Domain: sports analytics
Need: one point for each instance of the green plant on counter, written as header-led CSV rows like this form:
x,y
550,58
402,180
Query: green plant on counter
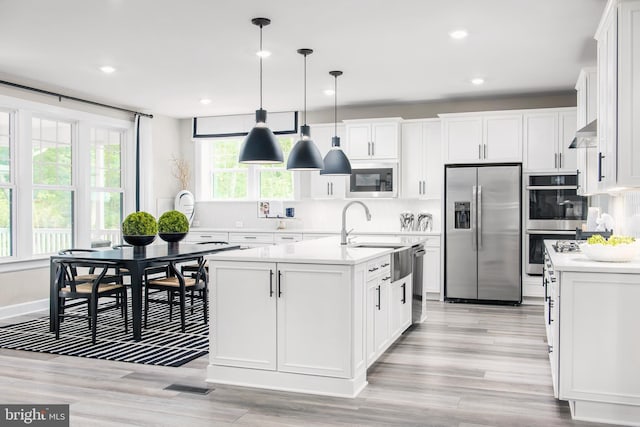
x,y
139,224
173,222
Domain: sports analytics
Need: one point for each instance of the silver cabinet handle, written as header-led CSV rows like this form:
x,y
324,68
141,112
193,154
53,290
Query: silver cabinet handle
x,y
328,191
479,151
250,237
485,151
286,238
555,160
368,148
424,187
560,160
373,148
479,216
332,188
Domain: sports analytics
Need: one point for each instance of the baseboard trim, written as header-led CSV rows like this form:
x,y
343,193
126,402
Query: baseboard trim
x,y
23,308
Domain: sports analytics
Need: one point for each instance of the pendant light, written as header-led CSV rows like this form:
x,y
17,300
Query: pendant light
x,y
305,155
336,162
260,145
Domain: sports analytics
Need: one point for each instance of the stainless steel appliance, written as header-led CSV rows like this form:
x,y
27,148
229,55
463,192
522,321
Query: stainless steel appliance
x,y
553,211
373,180
483,233
419,308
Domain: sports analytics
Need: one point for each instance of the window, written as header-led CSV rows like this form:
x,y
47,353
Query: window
x,y
223,178
106,184
6,184
52,202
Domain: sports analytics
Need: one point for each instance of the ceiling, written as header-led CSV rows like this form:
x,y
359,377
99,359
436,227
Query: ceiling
x,y
170,54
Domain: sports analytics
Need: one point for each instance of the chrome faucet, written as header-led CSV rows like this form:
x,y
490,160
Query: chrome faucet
x,y
344,233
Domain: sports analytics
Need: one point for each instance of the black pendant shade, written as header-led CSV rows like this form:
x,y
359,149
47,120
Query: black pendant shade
x,y
260,145
336,162
305,155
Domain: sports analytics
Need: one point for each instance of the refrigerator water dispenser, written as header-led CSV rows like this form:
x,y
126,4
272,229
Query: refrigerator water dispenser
x,y
462,215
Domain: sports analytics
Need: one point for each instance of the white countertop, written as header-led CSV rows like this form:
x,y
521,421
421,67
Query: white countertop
x,y
311,230
321,251
576,261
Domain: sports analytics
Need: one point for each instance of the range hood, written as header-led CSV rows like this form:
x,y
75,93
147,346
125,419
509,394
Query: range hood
x,y
586,136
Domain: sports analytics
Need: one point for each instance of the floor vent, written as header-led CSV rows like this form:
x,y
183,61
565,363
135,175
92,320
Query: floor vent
x,y
189,389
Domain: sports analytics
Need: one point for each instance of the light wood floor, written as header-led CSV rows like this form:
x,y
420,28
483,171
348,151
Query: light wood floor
x,y
467,365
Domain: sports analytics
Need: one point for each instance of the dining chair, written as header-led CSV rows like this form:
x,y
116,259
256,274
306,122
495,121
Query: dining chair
x,y
89,290
193,268
175,283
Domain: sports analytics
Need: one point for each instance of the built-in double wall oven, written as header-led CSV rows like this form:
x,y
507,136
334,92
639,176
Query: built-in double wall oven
x,y
553,211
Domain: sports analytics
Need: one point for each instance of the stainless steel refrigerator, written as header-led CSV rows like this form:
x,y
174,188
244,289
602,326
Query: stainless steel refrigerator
x,y
483,238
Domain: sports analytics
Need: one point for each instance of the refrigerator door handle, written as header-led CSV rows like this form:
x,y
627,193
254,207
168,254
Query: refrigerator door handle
x,y
479,209
474,193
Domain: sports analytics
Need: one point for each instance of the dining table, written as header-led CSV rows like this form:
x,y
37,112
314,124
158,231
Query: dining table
x,y
136,260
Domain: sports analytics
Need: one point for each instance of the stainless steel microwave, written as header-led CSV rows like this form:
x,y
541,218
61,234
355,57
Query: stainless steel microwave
x,y
373,180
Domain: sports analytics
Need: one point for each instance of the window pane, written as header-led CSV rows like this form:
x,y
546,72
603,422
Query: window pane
x,y
5,160
5,222
276,184
52,220
106,216
229,185
106,158
4,123
51,156
225,154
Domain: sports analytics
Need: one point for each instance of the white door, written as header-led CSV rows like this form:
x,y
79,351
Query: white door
x,y
382,330
541,140
502,138
567,159
400,306
412,160
322,186
431,269
314,319
372,302
463,139
384,137
243,314
432,156
358,141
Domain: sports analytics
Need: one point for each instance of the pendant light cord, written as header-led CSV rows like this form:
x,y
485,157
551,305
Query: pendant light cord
x,y
335,106
305,89
261,53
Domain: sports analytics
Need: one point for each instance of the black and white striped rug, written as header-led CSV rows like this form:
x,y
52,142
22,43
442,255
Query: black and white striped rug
x,y
162,343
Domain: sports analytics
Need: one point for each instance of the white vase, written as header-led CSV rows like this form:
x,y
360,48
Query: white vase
x,y
185,203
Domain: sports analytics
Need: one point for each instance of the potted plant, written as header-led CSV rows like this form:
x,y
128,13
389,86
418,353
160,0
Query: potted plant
x,y
173,226
139,228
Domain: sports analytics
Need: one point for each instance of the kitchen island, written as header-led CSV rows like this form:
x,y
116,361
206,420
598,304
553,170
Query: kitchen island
x,y
592,320
309,316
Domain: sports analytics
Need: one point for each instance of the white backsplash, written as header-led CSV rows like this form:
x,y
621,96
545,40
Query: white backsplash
x,y
625,209
315,214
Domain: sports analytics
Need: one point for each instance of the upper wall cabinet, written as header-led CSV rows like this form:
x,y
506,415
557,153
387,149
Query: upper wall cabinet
x,y
372,139
482,138
586,112
325,186
547,136
618,73
421,159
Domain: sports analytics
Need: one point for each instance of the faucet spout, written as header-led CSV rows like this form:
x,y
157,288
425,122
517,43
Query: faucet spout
x,y
344,233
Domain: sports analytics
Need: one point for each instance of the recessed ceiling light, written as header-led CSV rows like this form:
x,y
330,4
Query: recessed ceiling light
x,y
205,101
458,34
107,69
263,53
329,92
477,81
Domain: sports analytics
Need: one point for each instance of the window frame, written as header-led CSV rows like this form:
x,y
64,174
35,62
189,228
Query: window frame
x,y
11,185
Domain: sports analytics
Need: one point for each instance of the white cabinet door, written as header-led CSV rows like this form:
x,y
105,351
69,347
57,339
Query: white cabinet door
x,y
541,140
413,164
400,304
431,269
567,157
432,155
502,138
372,304
358,141
381,320
463,139
323,186
314,311
384,138
243,314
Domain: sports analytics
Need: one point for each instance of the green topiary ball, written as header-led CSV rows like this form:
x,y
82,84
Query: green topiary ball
x,y
173,222
139,224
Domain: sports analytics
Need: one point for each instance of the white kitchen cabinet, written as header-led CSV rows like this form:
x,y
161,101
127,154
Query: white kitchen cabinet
x,y
618,69
422,169
243,337
198,236
400,304
251,240
372,139
431,280
314,236
482,137
280,237
325,186
282,317
547,136
378,332
586,112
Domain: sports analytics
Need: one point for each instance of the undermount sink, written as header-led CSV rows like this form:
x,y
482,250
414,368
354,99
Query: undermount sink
x,y
378,245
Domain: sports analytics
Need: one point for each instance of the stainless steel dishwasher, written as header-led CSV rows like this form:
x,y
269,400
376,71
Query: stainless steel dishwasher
x,y
419,300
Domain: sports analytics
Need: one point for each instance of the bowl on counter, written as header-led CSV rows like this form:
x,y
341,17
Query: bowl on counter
x,y
608,253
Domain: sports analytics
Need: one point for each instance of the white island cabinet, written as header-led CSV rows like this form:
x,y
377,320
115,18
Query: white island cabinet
x,y
294,316
592,320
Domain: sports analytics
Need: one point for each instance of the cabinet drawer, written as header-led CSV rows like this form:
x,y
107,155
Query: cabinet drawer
x,y
251,237
377,266
204,236
287,237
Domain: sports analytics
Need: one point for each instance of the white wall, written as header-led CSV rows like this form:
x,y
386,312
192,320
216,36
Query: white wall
x,y
625,209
